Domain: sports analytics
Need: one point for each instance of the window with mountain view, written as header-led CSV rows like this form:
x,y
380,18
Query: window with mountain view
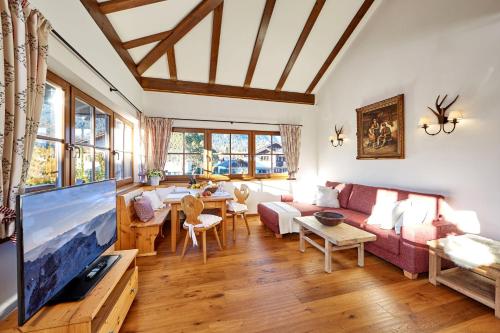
x,y
230,152
269,158
186,154
234,153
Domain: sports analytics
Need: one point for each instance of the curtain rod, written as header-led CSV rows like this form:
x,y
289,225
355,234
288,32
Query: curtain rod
x,y
226,121
112,87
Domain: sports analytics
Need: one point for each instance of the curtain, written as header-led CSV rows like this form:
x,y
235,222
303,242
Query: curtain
x,y
290,138
158,132
23,71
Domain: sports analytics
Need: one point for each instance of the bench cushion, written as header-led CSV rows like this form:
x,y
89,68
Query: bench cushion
x,y
158,219
143,209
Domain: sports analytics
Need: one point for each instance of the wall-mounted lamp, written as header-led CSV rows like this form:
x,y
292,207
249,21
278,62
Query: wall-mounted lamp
x,y
453,117
338,139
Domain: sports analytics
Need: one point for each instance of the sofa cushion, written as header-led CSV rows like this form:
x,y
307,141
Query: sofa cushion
x,y
363,198
386,239
345,192
305,208
430,202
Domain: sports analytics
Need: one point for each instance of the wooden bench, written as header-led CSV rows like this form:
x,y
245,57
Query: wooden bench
x,y
132,232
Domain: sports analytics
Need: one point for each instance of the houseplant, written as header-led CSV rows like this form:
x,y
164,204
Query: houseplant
x,y
154,177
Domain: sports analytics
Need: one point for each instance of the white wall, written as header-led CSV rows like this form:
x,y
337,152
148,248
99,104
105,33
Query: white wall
x,y
216,108
422,49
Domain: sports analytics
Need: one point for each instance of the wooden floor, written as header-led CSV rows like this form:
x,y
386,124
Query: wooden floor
x,y
263,284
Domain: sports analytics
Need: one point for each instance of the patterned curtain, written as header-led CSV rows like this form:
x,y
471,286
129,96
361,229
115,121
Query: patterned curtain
x,y
290,137
158,132
23,71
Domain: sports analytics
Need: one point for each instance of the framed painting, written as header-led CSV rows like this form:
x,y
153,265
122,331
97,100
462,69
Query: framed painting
x,y
381,129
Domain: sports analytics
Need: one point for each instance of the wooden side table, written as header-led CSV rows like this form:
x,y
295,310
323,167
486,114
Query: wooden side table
x,y
481,284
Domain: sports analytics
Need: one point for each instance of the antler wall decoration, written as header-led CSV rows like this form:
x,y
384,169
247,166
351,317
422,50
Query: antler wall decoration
x,y
338,139
443,118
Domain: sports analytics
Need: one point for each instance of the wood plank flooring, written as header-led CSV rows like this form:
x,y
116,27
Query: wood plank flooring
x,y
263,284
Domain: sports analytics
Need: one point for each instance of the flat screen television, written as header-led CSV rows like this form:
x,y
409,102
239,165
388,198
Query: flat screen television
x,y
61,235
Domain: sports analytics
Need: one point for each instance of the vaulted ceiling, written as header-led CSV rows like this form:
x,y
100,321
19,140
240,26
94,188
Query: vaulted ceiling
x,y
276,50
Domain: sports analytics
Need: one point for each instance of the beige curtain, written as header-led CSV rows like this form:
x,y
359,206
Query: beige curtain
x,y
290,138
23,73
158,132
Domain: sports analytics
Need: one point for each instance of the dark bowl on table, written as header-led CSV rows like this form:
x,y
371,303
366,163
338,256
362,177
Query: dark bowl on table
x,y
329,218
212,189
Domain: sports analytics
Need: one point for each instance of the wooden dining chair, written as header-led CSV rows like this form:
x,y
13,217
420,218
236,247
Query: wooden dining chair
x,y
238,207
197,223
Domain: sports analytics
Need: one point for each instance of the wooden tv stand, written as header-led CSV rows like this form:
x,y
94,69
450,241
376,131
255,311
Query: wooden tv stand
x,y
102,310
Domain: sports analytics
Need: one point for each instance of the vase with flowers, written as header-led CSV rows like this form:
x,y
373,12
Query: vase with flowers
x,y
154,177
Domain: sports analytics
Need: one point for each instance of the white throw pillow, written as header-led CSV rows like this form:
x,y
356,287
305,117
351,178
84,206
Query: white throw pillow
x,y
327,197
382,215
398,212
412,215
153,198
163,192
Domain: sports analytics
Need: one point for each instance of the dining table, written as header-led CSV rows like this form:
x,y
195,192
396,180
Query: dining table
x,y
217,201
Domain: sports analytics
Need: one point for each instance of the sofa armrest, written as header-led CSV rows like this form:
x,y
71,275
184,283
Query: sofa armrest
x,y
421,233
286,198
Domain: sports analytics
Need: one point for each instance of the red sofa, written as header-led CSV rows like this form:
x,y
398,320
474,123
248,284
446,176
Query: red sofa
x,y
408,250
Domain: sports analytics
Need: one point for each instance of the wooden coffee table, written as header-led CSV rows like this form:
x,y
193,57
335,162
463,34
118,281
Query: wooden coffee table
x,y
339,237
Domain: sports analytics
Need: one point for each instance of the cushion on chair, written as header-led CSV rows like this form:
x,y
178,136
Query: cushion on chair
x,y
208,220
236,207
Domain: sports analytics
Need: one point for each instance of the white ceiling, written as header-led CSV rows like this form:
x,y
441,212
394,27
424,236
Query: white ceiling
x,y
240,23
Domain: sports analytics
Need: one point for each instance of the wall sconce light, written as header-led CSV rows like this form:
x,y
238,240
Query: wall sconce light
x,y
453,117
338,139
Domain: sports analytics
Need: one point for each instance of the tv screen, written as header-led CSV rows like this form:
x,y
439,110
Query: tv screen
x,y
60,232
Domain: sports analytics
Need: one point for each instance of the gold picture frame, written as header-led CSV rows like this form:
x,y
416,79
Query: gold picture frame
x,y
380,129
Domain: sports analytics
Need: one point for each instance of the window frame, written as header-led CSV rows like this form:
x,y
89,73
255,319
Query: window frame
x,y
208,149
184,176
95,104
128,180
268,175
55,80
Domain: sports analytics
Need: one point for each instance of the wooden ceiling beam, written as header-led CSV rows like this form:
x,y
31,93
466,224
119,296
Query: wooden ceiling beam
x,y
214,52
107,29
187,23
259,40
207,89
146,40
172,66
341,42
311,20
112,6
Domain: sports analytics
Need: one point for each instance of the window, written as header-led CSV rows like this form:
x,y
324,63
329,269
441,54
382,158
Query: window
x,y
235,154
92,147
46,168
76,141
123,150
230,153
269,158
186,153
